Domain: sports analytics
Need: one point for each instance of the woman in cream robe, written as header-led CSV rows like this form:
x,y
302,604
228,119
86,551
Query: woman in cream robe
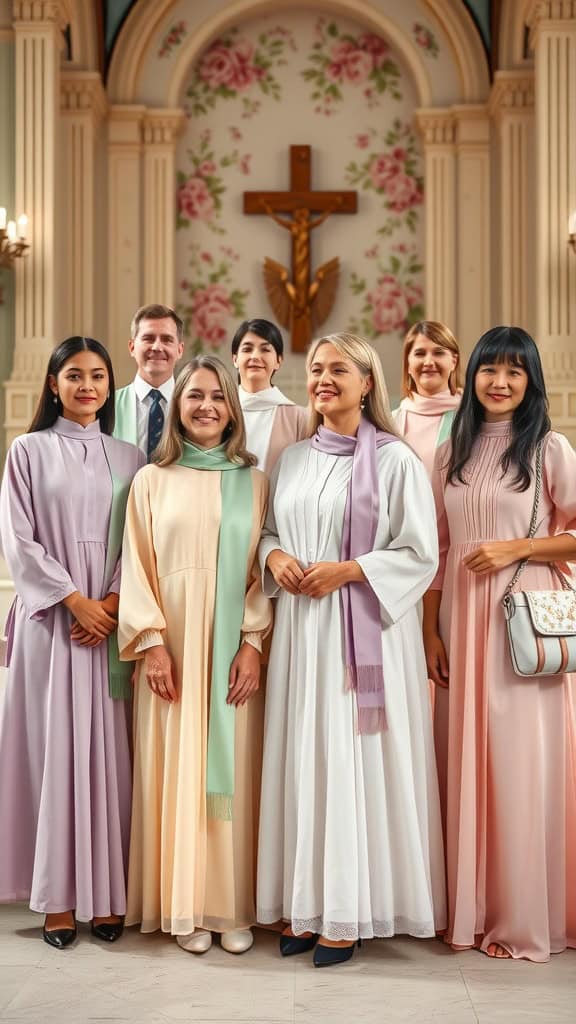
x,y
192,863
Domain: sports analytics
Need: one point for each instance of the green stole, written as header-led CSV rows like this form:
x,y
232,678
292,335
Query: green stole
x,y
445,427
125,427
232,569
119,672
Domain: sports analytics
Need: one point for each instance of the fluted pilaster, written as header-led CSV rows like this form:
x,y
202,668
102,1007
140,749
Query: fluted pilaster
x,y
437,128
160,130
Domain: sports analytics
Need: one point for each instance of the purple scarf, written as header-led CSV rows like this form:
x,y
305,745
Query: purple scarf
x,y
360,606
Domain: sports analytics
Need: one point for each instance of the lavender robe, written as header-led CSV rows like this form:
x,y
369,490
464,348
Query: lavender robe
x,y
65,776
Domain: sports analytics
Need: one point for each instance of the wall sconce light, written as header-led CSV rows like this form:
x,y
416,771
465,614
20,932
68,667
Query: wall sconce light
x,y
572,231
13,242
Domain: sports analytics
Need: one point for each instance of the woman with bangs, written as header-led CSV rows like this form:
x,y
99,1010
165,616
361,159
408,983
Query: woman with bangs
x,y
431,385
192,615
506,744
350,836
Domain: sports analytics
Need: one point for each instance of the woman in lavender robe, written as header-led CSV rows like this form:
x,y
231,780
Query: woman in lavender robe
x,y
65,779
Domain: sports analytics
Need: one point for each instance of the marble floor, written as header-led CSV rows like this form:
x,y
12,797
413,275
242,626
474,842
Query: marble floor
x,y
149,979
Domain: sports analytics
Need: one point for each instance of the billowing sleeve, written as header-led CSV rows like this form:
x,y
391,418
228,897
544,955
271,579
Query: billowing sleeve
x,y
401,569
40,581
257,607
438,485
270,539
141,622
560,480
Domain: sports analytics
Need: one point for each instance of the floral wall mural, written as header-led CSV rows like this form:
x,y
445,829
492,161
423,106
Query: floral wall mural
x,y
261,87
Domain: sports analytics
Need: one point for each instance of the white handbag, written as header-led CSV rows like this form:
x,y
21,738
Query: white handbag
x,y
541,623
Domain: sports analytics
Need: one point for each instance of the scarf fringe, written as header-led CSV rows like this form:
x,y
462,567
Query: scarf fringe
x,y
365,678
219,805
371,720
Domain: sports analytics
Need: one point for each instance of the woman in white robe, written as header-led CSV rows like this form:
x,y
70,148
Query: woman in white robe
x,y
350,837
271,419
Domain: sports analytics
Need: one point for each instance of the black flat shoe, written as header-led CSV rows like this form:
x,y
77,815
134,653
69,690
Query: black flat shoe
x,y
60,937
329,956
292,945
108,932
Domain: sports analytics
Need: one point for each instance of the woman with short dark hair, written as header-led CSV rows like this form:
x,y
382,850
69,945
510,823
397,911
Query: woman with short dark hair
x,y
272,420
65,774
506,745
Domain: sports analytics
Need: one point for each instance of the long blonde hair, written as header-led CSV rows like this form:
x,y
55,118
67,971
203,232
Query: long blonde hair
x,y
440,335
172,442
367,361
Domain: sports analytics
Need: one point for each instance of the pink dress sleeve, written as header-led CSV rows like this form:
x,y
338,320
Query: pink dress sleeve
x,y
438,484
560,482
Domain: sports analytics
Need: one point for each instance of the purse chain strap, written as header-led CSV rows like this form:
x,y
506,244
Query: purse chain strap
x,y
566,585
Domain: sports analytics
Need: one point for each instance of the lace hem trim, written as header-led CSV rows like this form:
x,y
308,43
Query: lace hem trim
x,y
350,930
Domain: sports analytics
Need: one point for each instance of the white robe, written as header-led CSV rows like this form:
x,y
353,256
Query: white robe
x,y
350,835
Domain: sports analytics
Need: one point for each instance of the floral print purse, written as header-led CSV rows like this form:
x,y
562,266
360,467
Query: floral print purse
x,y
541,623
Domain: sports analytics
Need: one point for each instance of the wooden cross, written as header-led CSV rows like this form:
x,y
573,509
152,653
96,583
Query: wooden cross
x,y
298,302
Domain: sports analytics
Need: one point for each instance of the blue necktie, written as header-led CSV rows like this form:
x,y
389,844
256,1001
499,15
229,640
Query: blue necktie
x,y
155,420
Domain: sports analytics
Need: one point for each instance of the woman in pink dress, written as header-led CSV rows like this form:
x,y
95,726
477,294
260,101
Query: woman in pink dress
x,y
431,387
506,744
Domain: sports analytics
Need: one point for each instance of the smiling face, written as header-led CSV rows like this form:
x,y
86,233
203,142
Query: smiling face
x,y
430,365
156,349
82,386
500,388
204,413
336,388
256,360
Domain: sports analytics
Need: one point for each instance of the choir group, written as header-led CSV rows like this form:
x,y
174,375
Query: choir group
x,y
284,695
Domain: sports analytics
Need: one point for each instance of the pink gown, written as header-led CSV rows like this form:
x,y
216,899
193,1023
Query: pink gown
x,y
506,745
425,422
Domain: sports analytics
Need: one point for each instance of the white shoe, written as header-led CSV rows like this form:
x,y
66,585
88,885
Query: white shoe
x,y
198,941
238,941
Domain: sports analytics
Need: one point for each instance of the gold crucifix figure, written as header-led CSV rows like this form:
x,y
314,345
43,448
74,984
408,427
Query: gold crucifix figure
x,y
298,302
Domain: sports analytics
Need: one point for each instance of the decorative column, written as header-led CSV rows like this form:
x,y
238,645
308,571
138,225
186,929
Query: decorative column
x,y
473,278
83,104
160,130
512,110
553,38
437,128
38,37
125,230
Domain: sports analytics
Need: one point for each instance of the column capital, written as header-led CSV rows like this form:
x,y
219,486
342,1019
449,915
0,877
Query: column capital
x,y
41,12
162,126
542,11
82,92
472,123
512,92
125,124
436,125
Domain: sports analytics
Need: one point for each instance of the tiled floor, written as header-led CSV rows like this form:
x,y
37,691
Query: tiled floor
x,y
149,979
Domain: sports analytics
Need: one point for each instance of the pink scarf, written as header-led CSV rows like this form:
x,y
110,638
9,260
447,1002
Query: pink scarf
x,y
360,606
430,405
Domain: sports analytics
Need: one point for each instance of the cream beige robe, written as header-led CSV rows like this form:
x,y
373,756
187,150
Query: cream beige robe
x,y
186,871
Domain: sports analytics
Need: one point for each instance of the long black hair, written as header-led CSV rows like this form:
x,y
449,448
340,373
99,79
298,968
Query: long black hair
x,y
264,329
530,421
48,410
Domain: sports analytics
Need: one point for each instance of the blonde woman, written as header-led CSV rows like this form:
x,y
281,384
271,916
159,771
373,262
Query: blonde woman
x,y
431,385
350,837
192,613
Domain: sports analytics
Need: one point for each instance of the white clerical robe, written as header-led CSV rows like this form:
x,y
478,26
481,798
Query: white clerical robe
x,y
350,836
272,423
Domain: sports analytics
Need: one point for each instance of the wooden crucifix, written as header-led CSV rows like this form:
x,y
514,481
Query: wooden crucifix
x,y
300,303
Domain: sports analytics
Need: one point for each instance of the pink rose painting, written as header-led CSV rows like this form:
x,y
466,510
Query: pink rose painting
x,y
425,39
394,300
172,39
210,300
392,171
339,59
234,66
200,189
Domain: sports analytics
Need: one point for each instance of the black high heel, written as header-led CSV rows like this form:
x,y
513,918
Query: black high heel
x,y
292,945
59,938
329,956
108,932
